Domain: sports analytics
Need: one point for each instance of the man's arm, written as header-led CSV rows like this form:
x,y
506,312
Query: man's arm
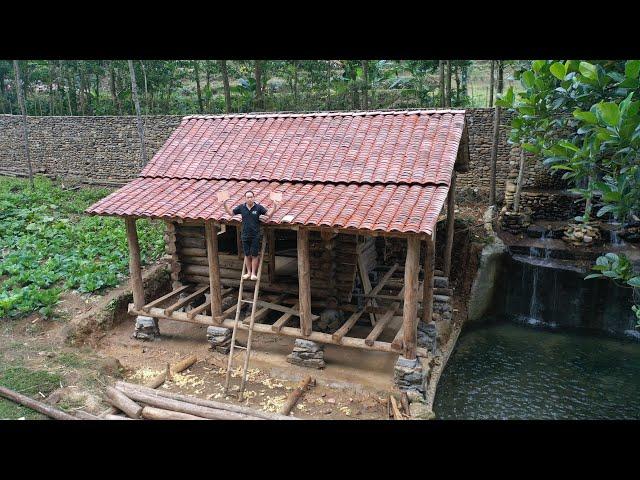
x,y
267,215
226,207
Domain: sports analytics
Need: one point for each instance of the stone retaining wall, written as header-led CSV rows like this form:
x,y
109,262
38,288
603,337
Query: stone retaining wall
x,y
105,150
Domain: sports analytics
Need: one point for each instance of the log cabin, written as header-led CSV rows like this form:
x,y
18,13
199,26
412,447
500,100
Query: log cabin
x,y
357,186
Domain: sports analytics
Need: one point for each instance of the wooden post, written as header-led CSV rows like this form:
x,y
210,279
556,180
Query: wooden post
x,y
451,205
304,281
239,241
271,238
134,263
410,309
211,234
427,285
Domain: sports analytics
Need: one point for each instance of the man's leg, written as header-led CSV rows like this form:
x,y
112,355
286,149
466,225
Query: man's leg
x,y
254,265
247,262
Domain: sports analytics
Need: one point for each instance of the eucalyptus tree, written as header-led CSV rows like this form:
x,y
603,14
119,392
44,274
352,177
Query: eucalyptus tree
x,y
23,111
136,102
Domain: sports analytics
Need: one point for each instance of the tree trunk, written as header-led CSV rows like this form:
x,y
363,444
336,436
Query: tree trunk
x,y
259,101
365,86
225,83
207,68
516,198
71,92
494,155
196,72
500,75
328,84
457,75
136,102
114,95
448,84
25,129
51,99
491,83
295,84
441,83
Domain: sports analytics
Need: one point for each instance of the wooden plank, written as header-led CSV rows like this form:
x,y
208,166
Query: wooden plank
x,y
339,334
215,296
451,206
201,308
411,269
304,282
135,272
427,283
169,295
281,308
263,312
366,285
398,342
382,323
186,300
282,321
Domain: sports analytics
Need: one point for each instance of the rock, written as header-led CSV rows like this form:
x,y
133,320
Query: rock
x,y
420,411
111,366
536,231
587,239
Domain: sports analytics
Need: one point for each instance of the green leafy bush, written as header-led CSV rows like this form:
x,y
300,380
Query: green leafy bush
x,y
47,246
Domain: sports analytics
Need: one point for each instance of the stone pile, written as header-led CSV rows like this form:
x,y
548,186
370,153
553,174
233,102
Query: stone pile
x,y
219,338
442,309
631,232
427,336
581,234
307,354
146,328
515,223
410,375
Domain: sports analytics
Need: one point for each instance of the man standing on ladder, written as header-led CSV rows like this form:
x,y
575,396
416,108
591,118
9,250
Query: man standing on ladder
x,y
251,234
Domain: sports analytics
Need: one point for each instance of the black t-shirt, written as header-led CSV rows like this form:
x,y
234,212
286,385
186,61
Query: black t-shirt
x,y
250,218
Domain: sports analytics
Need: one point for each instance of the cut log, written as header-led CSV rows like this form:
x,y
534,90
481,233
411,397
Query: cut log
x,y
111,416
382,323
397,415
82,415
169,295
282,321
153,399
296,394
186,300
40,407
123,403
176,368
206,403
346,326
152,413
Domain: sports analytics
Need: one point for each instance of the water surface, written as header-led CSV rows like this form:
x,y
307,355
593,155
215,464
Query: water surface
x,y
502,370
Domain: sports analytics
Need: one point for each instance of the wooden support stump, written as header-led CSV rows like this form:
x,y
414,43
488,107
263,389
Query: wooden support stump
x,y
211,233
135,271
409,312
427,284
451,205
304,282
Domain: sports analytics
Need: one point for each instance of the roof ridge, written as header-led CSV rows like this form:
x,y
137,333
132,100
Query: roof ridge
x,y
328,113
413,183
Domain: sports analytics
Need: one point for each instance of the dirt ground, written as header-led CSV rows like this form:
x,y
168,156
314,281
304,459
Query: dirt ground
x,y
354,385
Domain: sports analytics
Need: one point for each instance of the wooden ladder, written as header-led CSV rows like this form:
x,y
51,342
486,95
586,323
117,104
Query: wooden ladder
x,y
247,349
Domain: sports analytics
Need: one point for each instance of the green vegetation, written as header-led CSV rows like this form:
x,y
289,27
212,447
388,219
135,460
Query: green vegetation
x,y
103,87
583,119
28,382
47,245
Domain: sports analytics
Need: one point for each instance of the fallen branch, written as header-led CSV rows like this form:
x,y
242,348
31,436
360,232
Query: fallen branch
x,y
40,407
126,387
296,394
397,415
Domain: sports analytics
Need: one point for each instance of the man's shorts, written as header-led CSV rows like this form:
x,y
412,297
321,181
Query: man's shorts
x,y
251,245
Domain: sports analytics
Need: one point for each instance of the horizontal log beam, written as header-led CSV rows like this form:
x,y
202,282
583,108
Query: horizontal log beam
x,y
186,300
338,335
285,331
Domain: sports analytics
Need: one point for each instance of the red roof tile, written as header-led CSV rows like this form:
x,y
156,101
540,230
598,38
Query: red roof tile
x,y
389,208
413,146
386,171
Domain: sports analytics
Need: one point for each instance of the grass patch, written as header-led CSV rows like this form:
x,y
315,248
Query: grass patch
x,y
27,382
71,360
48,245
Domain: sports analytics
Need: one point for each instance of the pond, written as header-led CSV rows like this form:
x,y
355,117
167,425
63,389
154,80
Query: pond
x,y
504,370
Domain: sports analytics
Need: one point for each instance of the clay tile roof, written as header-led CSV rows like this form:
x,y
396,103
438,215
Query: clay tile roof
x,y
373,170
